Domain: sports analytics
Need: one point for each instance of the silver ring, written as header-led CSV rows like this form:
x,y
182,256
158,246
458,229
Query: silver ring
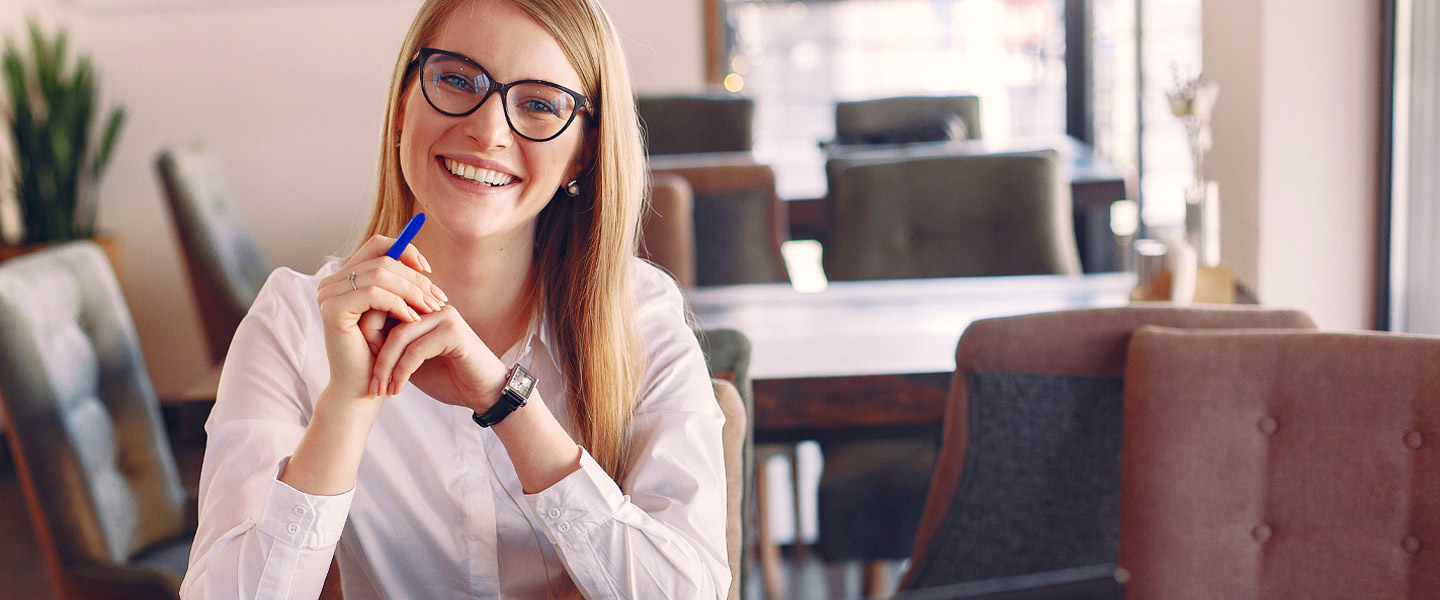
x,y
352,282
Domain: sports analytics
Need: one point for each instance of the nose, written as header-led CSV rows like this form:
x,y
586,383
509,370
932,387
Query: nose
x,y
487,125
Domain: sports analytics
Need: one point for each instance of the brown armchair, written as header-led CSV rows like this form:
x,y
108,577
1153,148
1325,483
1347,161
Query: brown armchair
x,y
667,230
226,266
1029,474
907,119
696,123
739,222
1281,465
103,491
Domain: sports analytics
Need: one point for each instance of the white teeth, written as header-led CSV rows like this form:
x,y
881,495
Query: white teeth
x,y
476,174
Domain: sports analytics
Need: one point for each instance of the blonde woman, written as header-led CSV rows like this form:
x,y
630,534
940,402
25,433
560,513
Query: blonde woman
x,y
382,411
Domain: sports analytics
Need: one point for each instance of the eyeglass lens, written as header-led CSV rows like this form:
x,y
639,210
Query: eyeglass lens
x,y
535,110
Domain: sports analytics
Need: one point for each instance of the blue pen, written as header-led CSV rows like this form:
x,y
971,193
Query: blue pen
x,y
401,242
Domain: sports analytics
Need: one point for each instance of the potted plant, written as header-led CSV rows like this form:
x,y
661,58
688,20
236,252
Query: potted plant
x,y
51,111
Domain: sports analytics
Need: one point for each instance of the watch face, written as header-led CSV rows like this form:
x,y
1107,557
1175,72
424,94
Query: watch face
x,y
521,382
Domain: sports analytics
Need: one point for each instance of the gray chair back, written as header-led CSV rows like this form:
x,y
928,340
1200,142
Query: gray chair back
x,y
1029,473
226,266
85,428
907,119
696,123
955,215
727,354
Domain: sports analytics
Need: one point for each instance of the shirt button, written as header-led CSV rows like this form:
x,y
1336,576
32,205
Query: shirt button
x,y
564,526
554,513
293,528
299,511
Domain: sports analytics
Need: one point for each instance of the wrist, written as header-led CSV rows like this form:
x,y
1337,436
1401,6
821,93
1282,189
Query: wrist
x,y
514,394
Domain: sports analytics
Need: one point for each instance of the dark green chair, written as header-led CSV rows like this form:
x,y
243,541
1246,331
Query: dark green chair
x,y
899,216
225,264
908,119
696,123
112,515
727,354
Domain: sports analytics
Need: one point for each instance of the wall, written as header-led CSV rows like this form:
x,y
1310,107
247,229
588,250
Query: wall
x,y
290,96
1295,147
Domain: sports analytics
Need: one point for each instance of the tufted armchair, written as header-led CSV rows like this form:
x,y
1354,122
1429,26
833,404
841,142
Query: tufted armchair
x,y
226,266
739,221
1029,473
1281,465
100,481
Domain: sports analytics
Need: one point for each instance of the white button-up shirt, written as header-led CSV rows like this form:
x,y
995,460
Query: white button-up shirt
x,y
437,510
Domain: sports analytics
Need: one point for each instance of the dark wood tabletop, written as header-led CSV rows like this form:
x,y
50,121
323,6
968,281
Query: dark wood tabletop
x,y
873,358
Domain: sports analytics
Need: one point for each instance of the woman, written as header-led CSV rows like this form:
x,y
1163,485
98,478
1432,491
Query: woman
x,y
372,390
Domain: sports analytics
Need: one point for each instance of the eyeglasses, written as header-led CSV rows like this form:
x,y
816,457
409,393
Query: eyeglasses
x,y
536,110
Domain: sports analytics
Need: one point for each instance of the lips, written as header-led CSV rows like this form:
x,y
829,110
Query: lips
x,y
478,175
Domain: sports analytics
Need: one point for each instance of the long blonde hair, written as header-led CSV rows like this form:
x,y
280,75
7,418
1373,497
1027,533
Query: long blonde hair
x,y
583,245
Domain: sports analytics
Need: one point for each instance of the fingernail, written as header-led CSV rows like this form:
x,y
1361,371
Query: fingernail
x,y
394,388
425,263
440,293
374,389
414,316
374,349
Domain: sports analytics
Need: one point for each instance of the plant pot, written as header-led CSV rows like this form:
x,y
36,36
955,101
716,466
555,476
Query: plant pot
x,y
110,244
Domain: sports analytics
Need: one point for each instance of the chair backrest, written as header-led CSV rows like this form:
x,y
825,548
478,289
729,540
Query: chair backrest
x,y
959,215
667,230
739,220
694,123
1281,465
226,266
906,119
84,421
1029,473
727,355
734,433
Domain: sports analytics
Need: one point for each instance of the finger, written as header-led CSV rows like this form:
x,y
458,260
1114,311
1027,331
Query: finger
x,y
372,326
396,341
394,277
414,259
428,346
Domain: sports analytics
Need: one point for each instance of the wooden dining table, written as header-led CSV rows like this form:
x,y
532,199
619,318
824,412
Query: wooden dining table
x,y
874,358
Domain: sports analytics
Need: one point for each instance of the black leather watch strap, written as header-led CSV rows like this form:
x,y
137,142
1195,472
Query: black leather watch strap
x,y
519,384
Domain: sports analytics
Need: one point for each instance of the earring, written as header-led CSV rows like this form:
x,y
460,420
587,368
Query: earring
x,y
573,188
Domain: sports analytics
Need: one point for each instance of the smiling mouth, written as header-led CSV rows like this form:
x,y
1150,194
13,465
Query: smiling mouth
x,y
478,175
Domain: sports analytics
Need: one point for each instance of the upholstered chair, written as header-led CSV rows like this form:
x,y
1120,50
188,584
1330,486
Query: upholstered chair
x,y
908,119
1029,474
225,264
736,424
696,123
1280,464
958,215
739,222
109,509
667,230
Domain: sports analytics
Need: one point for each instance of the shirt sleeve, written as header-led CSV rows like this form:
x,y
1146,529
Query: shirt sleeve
x,y
257,536
661,534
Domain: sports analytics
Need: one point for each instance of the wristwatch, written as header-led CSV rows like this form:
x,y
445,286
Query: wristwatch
x,y
519,383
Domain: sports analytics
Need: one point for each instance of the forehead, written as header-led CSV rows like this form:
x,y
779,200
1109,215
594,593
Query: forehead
x,y
506,41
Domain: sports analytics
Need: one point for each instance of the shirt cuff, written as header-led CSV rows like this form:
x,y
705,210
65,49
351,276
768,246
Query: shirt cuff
x,y
578,503
303,520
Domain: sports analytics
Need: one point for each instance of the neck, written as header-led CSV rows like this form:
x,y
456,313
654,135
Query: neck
x,y
489,281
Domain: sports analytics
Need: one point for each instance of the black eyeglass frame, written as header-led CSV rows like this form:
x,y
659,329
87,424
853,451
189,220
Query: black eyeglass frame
x,y
423,55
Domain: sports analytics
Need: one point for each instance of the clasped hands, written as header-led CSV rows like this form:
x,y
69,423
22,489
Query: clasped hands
x,y
389,325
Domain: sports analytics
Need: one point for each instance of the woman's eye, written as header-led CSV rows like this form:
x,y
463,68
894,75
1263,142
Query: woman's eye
x,y
539,106
455,82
